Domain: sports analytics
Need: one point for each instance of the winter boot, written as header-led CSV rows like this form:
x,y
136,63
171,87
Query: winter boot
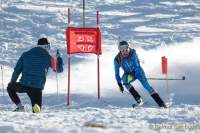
x,y
36,108
19,109
158,100
135,94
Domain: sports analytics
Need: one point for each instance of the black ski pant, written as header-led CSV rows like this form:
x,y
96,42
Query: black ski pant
x,y
34,94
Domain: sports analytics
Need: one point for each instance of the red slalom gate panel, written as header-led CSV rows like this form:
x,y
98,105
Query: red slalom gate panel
x,y
83,40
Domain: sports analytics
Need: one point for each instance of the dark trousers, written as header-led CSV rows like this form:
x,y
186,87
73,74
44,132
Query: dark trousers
x,y
34,94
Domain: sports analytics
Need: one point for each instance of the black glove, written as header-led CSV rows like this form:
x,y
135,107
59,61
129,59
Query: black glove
x,y
121,88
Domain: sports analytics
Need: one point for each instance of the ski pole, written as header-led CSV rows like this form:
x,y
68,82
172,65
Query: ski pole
x,y
57,81
183,78
57,54
2,79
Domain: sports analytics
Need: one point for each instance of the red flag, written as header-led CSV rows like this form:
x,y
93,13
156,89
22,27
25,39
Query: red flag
x,y
83,40
164,65
53,63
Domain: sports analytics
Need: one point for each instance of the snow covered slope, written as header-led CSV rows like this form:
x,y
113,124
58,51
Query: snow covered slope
x,y
153,28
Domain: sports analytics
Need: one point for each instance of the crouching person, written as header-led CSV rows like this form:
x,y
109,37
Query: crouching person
x,y
33,66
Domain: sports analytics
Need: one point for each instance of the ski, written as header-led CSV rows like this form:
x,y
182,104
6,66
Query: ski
x,y
139,105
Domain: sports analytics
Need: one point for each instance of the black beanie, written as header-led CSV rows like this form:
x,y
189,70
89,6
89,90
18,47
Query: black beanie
x,y
122,45
43,41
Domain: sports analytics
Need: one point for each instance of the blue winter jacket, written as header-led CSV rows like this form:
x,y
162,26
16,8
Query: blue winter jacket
x,y
130,65
34,65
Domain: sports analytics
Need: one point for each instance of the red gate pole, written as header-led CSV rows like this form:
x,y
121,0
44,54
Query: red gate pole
x,y
69,60
84,13
68,93
98,77
97,18
68,16
98,71
165,72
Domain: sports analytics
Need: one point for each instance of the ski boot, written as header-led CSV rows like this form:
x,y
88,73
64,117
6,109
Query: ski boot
x,y
158,100
136,96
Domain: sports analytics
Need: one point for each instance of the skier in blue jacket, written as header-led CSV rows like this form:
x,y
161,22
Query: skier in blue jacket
x,y
33,66
128,60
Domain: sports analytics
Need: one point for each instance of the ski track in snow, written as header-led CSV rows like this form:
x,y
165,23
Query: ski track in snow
x,y
156,28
